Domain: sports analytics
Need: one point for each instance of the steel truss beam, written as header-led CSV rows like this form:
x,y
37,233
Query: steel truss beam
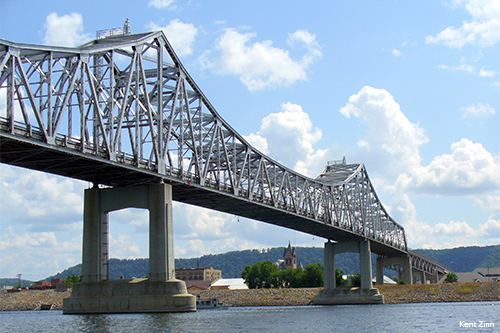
x,y
128,100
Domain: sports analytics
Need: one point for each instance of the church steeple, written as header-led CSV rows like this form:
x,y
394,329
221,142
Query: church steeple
x,y
290,257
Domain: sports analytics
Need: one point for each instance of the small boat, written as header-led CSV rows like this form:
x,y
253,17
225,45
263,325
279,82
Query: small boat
x,y
209,303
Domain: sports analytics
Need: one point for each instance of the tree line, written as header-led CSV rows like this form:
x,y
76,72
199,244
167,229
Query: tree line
x,y
265,274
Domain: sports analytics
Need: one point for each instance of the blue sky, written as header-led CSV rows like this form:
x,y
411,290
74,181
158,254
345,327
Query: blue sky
x,y
409,89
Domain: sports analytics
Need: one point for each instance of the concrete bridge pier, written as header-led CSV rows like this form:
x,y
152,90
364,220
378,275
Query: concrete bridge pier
x,y
161,292
331,294
401,264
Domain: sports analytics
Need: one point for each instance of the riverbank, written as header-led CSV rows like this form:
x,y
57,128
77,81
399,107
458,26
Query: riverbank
x,y
428,293
453,292
33,300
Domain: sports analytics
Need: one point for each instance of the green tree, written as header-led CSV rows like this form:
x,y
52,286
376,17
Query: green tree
x,y
268,272
451,278
261,275
313,276
355,280
72,279
298,278
339,278
402,282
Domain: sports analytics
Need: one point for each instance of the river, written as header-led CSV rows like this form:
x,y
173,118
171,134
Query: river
x,y
421,317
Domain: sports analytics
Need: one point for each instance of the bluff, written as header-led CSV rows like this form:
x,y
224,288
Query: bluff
x,y
460,259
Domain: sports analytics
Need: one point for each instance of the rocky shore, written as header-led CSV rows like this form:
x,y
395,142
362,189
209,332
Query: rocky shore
x,y
455,292
33,300
429,293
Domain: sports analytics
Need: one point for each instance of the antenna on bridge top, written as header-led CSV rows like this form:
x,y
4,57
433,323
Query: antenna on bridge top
x,y
125,30
343,161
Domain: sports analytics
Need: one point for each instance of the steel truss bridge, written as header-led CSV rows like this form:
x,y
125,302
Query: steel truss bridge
x,y
123,110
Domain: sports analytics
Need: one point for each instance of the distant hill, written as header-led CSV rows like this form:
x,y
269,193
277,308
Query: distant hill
x,y
465,259
461,259
14,282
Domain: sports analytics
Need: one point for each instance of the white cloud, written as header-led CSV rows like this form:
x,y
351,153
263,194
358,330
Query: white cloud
x,y
485,73
454,228
392,142
43,201
261,65
258,142
206,224
483,30
160,4
66,30
123,247
480,110
465,67
488,202
397,53
442,235
36,255
469,169
180,35
288,136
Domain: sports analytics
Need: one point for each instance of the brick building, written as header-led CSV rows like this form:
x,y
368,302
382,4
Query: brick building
x,y
198,274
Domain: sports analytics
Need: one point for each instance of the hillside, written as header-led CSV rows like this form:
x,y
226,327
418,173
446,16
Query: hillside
x,y
465,259
461,259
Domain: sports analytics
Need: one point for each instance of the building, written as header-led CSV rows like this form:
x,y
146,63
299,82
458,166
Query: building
x,y
229,284
198,274
488,274
289,259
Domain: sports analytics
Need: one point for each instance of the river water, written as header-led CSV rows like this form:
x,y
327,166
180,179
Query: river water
x,y
422,317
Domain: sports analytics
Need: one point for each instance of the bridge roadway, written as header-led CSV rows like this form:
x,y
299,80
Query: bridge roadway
x,y
153,124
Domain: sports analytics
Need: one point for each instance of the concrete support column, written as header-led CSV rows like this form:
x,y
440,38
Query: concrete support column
x,y
157,198
366,294
95,238
329,270
380,271
161,234
365,264
407,270
361,247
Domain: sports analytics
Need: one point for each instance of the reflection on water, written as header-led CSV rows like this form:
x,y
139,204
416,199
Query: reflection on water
x,y
423,317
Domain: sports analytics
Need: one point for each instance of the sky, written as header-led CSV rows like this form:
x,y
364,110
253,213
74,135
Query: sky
x,y
410,89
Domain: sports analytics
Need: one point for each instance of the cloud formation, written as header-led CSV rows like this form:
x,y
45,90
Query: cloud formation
x,y
482,30
66,30
479,110
160,4
469,169
261,65
442,235
392,141
397,53
37,199
180,35
465,67
288,137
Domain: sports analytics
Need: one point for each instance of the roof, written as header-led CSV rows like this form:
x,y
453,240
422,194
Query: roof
x,y
491,274
198,284
232,284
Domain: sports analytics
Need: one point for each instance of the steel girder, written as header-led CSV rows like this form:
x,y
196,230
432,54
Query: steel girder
x,y
128,100
424,264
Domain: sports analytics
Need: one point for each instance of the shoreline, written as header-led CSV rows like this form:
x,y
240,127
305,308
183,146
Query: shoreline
x,y
429,293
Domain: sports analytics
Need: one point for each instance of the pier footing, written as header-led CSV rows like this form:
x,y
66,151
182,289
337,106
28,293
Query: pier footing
x,y
340,296
129,296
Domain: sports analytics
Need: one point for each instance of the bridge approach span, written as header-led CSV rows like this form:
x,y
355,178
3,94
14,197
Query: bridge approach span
x,y
123,110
